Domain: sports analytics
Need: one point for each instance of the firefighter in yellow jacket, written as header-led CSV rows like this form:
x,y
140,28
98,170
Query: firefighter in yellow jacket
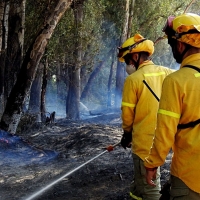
x,y
139,108
179,112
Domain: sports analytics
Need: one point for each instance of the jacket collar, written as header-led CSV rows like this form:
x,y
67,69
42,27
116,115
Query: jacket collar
x,y
146,62
190,59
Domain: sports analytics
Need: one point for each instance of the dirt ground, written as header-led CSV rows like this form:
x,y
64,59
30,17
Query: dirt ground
x,y
67,160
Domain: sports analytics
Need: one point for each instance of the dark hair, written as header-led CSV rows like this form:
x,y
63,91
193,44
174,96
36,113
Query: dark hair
x,y
144,54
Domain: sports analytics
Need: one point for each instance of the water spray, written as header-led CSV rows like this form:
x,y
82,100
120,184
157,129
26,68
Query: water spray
x,y
108,149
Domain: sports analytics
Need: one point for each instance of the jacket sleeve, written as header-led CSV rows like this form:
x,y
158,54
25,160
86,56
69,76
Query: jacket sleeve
x,y
128,105
167,121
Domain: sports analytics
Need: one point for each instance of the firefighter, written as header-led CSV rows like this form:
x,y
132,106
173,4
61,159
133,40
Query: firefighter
x,y
179,111
139,108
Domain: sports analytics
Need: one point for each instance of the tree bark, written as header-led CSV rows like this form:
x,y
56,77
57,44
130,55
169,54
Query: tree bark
x,y
15,42
4,9
73,109
35,94
95,72
132,6
93,75
83,76
43,92
120,66
86,57
109,99
21,89
58,80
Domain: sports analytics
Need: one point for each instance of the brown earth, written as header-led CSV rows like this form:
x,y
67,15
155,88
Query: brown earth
x,y
54,162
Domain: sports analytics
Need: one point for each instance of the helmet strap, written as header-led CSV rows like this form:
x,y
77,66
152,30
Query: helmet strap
x,y
185,50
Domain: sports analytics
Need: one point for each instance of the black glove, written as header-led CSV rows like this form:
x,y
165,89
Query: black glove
x,y
126,139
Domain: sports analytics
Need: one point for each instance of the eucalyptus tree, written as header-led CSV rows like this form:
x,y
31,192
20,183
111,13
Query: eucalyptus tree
x,y
12,38
94,73
149,19
4,9
34,103
130,20
15,43
13,110
91,34
99,34
120,67
72,109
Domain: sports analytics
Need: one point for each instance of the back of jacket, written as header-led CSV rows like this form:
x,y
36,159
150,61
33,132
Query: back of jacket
x,y
139,106
180,104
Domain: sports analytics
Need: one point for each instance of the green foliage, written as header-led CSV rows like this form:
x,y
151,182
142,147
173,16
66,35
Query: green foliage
x,y
101,30
150,16
62,39
149,19
36,11
62,43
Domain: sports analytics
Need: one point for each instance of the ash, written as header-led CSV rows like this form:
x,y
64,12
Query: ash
x,y
38,156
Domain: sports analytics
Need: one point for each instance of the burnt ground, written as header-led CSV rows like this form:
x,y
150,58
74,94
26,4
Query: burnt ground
x,y
50,156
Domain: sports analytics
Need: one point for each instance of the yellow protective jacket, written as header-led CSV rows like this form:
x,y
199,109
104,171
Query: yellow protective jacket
x,y
139,106
179,104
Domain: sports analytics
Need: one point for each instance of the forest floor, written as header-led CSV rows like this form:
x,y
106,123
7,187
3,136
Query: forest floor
x,y
68,160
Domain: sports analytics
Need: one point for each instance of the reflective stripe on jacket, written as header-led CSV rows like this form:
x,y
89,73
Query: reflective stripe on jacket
x,y
139,106
179,104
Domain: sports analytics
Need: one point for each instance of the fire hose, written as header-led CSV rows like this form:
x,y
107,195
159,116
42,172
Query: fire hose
x,y
108,149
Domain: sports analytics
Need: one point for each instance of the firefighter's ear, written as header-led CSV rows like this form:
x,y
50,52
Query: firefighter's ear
x,y
180,46
135,56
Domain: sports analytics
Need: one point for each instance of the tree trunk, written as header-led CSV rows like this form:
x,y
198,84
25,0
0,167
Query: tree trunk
x,y
93,75
2,12
4,9
43,92
15,42
120,66
35,94
86,57
83,77
109,100
58,80
73,109
13,110
130,18
95,72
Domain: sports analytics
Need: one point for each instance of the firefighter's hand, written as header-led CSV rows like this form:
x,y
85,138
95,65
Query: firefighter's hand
x,y
151,175
126,139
